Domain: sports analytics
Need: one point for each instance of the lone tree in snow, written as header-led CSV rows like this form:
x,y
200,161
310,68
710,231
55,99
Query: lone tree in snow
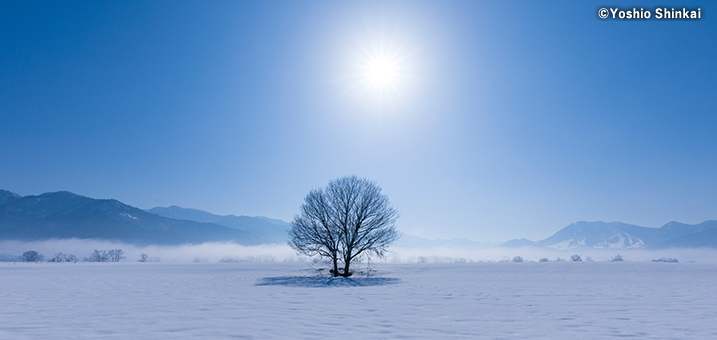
x,y
347,220
31,256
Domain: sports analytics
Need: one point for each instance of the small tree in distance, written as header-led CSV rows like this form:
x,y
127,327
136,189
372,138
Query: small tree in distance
x,y
98,256
114,255
31,256
351,218
60,257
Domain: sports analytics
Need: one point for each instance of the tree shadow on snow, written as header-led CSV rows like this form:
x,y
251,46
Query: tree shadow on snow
x,y
322,282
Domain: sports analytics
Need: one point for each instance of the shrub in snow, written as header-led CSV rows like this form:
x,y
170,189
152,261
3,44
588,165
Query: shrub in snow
x,y
576,258
31,256
666,259
617,258
544,259
517,259
60,257
143,257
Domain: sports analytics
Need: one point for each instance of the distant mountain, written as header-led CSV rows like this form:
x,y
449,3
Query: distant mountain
x,y
8,196
67,215
517,243
618,235
410,241
272,230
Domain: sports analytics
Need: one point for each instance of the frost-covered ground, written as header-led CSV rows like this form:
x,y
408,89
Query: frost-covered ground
x,y
288,300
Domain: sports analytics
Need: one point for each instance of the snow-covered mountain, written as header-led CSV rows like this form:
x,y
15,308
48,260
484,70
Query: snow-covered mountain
x,y
618,235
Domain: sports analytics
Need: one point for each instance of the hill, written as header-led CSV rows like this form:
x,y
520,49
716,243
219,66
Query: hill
x,y
272,230
60,215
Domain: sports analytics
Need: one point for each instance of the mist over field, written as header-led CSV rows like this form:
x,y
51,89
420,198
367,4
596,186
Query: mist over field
x,y
231,252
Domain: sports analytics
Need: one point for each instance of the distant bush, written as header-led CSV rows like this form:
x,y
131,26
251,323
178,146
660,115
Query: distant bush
x,y
98,256
31,256
576,258
517,259
143,257
666,259
114,255
60,257
617,258
229,259
543,259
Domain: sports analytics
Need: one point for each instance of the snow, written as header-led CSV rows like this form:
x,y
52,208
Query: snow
x,y
599,300
622,240
127,215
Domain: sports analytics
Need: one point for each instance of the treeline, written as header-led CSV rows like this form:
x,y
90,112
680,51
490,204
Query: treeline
x,y
112,255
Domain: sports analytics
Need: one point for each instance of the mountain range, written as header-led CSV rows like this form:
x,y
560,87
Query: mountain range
x,y
62,215
618,235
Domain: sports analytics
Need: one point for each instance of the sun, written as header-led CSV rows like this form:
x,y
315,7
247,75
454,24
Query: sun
x,y
381,72
380,69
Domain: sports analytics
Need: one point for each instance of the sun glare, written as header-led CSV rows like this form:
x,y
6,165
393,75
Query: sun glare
x,y
381,72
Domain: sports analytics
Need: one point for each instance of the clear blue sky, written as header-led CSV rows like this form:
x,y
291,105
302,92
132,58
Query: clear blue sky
x,y
508,119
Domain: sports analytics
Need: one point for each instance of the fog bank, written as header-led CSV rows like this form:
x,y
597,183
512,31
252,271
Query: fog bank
x,y
230,252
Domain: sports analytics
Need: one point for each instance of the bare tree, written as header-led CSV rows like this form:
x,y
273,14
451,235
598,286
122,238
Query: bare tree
x,y
98,256
116,255
348,220
312,232
31,256
143,257
60,257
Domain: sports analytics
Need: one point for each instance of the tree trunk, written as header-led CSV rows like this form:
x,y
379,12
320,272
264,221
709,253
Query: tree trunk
x,y
347,273
336,267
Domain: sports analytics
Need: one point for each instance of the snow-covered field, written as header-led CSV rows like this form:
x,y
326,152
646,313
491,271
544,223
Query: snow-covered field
x,y
597,300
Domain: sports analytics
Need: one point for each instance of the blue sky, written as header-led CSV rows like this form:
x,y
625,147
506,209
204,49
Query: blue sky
x,y
509,119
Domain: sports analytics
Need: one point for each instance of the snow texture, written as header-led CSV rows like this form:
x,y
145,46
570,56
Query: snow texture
x,y
291,300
